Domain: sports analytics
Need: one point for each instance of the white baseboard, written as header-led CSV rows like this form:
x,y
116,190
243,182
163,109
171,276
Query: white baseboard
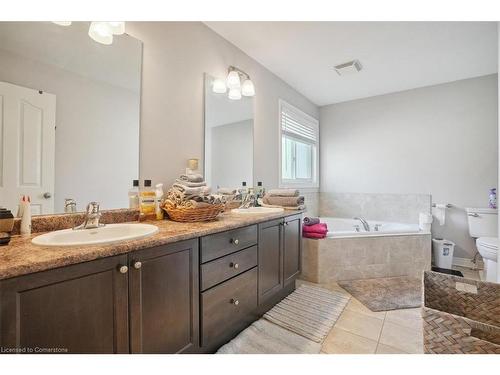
x,y
464,262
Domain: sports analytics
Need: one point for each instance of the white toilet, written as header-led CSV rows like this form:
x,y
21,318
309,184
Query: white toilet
x,y
483,225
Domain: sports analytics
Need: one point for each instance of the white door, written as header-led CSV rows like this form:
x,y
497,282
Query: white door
x,y
27,147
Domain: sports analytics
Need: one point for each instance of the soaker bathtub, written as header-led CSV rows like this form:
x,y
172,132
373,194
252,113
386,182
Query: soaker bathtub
x,y
342,228
350,252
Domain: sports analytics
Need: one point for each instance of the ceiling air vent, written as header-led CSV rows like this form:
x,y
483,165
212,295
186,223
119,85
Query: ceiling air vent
x,y
349,67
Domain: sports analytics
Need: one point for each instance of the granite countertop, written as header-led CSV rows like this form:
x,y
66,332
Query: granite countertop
x,y
21,257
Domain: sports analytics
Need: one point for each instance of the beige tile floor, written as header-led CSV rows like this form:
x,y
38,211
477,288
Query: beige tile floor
x,y
362,331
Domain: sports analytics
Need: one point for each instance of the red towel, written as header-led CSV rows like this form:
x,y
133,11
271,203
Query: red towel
x,y
316,228
314,235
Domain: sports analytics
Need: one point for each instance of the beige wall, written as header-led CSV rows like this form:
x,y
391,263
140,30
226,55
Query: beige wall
x,y
439,140
176,54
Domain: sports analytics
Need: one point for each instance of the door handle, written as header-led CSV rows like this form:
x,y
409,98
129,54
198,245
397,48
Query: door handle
x,y
47,195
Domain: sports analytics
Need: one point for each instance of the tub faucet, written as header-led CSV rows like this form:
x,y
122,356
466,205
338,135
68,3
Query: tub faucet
x,y
364,222
92,217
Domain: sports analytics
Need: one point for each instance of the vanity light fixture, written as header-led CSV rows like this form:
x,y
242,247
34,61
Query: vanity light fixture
x,y
117,27
234,94
233,82
101,32
62,23
247,88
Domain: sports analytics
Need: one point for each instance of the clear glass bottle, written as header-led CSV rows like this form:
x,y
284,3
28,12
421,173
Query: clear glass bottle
x,y
243,191
259,192
133,195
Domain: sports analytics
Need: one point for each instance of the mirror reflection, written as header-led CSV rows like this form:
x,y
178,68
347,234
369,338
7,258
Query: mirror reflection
x,y
228,139
70,116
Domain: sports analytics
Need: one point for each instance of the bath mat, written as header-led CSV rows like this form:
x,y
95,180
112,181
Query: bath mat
x,y
309,311
264,337
388,293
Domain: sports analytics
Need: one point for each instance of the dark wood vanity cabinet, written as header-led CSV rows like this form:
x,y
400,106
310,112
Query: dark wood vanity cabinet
x,y
143,302
280,251
292,249
81,308
164,293
186,297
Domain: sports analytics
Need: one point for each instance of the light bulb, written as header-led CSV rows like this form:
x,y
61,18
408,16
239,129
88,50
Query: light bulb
x,y
247,88
62,23
117,27
101,32
233,80
234,94
219,86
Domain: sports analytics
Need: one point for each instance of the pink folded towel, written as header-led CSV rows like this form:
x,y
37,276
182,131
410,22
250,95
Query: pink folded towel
x,y
314,235
316,228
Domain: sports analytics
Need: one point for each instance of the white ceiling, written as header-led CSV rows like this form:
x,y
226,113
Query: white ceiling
x,y
70,48
395,56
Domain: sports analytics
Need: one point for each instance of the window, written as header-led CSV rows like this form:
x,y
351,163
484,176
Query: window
x,y
299,148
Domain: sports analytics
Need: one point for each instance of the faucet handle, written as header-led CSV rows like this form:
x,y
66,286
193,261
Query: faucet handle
x,y
93,208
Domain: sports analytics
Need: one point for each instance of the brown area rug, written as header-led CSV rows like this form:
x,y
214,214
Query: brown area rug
x,y
388,293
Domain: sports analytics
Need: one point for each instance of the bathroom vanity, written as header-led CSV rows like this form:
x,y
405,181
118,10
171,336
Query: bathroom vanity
x,y
188,289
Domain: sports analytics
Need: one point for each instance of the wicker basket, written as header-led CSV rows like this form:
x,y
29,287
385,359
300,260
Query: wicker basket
x,y
190,215
460,321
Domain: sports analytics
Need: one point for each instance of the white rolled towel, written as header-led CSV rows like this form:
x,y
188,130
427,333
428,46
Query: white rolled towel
x,y
439,212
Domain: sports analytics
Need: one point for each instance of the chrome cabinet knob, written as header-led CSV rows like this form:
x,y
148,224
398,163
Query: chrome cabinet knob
x,y
123,269
47,195
236,241
137,265
234,265
235,302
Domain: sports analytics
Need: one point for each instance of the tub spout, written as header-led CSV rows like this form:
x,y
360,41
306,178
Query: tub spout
x,y
364,222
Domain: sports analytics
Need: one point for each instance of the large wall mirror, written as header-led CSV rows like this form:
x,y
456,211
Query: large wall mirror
x,y
69,116
228,139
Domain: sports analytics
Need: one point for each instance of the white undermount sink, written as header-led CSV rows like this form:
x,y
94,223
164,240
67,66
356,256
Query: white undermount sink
x,y
103,235
257,210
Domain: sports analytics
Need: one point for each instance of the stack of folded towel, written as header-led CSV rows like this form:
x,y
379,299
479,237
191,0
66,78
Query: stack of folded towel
x,y
287,198
191,191
312,228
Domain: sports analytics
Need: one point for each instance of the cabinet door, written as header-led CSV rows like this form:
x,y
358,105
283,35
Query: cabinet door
x,y
270,259
74,309
292,248
164,299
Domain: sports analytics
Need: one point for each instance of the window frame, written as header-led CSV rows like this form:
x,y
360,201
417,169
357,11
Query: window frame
x,y
299,183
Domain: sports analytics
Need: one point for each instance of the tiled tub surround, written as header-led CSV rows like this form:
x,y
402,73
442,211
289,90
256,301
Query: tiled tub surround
x,y
398,208
333,259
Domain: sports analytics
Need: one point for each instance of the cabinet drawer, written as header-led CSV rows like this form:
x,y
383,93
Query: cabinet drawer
x,y
219,270
217,245
228,308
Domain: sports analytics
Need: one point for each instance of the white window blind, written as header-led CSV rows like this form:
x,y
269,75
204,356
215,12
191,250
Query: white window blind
x,y
298,124
299,147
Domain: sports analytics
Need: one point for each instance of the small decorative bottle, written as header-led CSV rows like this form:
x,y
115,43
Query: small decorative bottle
x,y
492,203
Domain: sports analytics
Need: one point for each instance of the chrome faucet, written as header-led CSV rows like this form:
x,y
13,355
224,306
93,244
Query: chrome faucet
x,y
364,222
69,206
92,217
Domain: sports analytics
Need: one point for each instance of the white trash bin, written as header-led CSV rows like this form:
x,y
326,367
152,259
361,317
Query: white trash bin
x,y
442,253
